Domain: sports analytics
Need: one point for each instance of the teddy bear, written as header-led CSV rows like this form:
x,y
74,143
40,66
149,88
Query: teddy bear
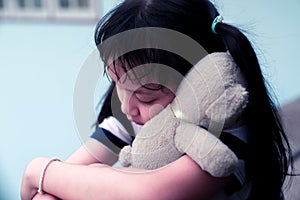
x,y
211,98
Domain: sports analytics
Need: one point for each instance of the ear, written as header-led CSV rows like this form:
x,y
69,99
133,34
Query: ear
x,y
229,105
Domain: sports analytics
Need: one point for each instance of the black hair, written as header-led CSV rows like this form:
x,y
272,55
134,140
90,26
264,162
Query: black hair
x,y
270,153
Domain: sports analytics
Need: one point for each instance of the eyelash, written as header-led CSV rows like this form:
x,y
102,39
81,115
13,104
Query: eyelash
x,y
145,102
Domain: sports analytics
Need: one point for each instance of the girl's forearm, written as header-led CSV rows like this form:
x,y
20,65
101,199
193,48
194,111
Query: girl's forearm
x,y
69,181
182,179
90,152
85,155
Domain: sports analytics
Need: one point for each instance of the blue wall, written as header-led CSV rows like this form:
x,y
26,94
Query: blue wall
x,y
40,63
37,76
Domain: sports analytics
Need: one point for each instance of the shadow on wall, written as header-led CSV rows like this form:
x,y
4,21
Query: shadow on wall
x,y
3,188
291,121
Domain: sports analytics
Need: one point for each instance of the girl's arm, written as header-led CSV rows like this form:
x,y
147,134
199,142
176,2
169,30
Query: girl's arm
x,y
182,179
89,153
92,151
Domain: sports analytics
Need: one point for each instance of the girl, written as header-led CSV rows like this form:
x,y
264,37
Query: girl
x,y
267,154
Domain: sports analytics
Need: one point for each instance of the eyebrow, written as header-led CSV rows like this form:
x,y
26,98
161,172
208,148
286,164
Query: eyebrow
x,y
138,91
141,92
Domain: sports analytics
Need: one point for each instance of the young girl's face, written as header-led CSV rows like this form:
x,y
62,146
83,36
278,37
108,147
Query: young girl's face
x,y
140,102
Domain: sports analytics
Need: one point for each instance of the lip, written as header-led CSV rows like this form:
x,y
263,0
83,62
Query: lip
x,y
135,121
138,123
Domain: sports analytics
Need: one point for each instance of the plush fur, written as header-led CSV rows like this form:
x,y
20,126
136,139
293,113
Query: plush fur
x,y
209,99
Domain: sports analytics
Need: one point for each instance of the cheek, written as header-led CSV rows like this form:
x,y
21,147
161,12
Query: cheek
x,y
154,110
119,93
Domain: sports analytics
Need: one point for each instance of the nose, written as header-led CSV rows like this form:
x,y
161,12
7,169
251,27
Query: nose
x,y
129,105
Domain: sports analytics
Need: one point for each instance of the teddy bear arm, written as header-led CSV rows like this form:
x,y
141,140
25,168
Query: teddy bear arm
x,y
125,157
212,155
153,146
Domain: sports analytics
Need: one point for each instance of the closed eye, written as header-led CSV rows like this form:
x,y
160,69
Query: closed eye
x,y
146,99
146,102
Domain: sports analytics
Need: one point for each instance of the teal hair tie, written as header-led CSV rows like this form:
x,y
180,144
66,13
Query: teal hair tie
x,y
217,20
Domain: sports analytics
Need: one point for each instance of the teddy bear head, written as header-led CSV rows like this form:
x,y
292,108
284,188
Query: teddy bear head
x,y
212,94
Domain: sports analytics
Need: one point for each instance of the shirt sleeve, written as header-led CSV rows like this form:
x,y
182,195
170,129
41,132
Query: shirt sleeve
x,y
112,134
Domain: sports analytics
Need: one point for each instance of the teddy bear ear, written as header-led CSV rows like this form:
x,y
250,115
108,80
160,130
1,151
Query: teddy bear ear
x,y
125,157
229,106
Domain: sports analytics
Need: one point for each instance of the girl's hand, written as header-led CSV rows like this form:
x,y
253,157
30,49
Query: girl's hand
x,y
44,197
30,180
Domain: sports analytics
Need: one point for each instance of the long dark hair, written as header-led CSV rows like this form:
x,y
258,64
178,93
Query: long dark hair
x,y
270,152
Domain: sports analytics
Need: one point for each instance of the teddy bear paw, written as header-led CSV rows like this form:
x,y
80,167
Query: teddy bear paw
x,y
125,156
